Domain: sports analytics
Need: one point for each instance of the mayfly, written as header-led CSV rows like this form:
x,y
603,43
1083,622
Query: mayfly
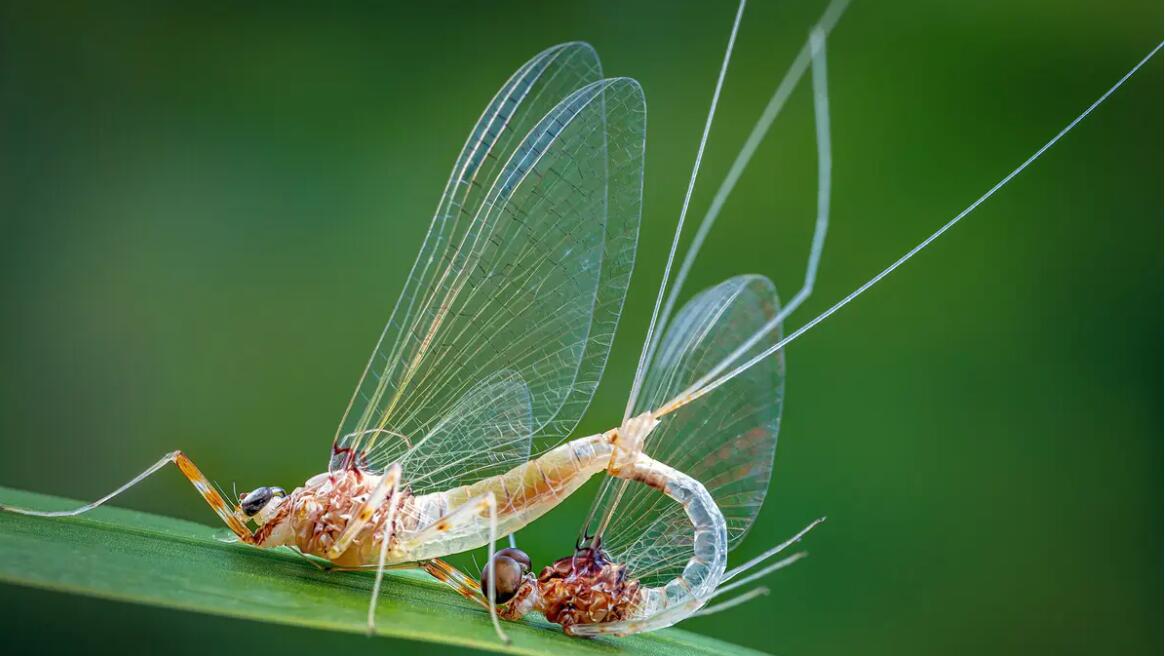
x,y
640,564
497,341
489,346
359,453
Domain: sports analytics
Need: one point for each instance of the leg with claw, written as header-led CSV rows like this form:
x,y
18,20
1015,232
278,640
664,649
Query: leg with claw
x,y
472,510
456,579
230,515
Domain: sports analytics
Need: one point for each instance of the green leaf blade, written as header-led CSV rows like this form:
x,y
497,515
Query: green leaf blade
x,y
123,555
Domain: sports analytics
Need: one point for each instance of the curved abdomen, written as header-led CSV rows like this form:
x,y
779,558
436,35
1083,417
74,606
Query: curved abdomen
x,y
522,494
660,607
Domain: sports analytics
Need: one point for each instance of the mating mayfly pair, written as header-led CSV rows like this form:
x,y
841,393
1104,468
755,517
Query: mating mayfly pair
x,y
495,348
454,436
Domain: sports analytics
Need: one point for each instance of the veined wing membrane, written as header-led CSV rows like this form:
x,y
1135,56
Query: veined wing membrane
x,y
533,285
486,433
530,93
724,440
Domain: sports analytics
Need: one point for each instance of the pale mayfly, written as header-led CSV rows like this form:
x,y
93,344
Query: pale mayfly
x,y
500,335
390,497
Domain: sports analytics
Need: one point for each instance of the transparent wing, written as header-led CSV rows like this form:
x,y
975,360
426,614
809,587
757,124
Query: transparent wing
x,y
725,440
527,278
486,433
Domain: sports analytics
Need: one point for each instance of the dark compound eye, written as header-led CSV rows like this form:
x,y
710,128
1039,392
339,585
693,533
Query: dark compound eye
x,y
516,554
507,580
256,499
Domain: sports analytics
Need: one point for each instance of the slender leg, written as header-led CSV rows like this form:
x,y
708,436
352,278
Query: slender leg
x,y
824,168
812,53
454,578
485,504
229,515
357,523
390,517
310,561
493,538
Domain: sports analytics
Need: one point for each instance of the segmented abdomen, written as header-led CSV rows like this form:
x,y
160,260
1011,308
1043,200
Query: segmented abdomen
x,y
656,608
523,494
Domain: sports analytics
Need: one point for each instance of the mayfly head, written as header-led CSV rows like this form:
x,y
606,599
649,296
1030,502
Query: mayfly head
x,y
261,503
509,568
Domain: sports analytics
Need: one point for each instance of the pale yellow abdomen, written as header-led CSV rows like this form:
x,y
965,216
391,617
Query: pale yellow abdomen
x,y
523,494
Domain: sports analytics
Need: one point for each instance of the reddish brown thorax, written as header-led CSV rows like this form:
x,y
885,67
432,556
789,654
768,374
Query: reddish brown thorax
x,y
319,512
586,588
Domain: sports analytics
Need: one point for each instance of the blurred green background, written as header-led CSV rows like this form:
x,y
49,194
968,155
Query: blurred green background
x,y
207,210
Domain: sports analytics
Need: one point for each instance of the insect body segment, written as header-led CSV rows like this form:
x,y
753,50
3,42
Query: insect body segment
x,y
341,516
233,517
589,594
584,588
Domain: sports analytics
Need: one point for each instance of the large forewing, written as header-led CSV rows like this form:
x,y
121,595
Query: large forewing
x,y
725,440
530,93
619,104
488,433
549,246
